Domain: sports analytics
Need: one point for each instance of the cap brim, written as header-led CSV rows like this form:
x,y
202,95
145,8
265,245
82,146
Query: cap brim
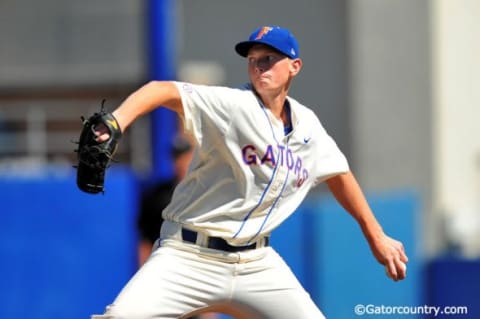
x,y
242,48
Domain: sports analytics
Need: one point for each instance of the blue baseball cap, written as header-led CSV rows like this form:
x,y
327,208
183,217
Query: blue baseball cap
x,y
275,37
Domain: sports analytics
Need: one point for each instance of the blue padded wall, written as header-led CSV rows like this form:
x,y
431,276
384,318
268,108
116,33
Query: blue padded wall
x,y
327,251
348,274
455,282
64,254
289,241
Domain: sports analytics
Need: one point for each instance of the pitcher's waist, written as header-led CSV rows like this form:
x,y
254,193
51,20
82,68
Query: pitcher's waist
x,y
180,232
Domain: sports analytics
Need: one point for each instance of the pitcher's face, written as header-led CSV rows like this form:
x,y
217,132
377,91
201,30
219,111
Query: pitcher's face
x,y
269,70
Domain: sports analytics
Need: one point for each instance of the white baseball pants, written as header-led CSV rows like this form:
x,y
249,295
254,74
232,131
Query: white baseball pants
x,y
181,279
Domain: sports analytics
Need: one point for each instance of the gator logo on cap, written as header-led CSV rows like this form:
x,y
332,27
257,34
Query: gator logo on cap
x,y
263,31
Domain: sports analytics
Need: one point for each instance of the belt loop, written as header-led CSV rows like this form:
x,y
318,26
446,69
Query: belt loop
x,y
263,242
202,240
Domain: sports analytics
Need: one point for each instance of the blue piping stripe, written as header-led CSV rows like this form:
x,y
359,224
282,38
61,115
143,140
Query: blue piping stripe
x,y
269,182
256,206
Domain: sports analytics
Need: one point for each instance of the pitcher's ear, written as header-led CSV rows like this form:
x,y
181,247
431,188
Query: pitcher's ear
x,y
295,66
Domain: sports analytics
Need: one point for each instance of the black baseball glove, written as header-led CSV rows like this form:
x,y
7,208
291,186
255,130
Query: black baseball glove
x,y
94,157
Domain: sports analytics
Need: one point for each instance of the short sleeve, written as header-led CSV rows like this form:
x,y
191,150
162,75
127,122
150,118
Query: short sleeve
x,y
207,109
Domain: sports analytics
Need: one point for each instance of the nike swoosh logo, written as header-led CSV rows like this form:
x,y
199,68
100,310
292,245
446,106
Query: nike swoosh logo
x,y
306,139
112,123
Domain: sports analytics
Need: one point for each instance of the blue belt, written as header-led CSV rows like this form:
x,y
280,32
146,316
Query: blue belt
x,y
218,243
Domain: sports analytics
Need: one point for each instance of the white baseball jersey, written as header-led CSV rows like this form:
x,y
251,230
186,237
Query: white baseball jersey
x,y
247,176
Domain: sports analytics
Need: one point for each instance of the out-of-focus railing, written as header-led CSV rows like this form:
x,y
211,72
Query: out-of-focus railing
x,y
41,129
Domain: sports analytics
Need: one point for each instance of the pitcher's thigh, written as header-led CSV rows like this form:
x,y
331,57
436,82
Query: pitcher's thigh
x,y
269,286
170,284
285,304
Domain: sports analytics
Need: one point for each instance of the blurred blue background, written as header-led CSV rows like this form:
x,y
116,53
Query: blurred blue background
x,y
396,83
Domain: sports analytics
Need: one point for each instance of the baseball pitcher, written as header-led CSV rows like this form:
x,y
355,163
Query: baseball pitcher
x,y
259,152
